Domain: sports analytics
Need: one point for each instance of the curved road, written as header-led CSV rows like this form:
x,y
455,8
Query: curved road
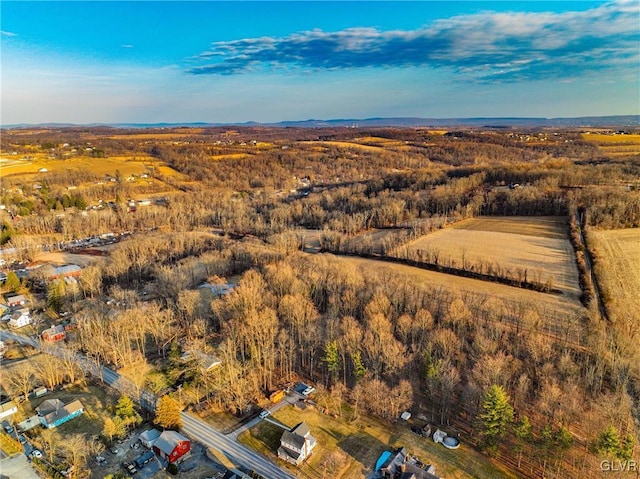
x,y
192,426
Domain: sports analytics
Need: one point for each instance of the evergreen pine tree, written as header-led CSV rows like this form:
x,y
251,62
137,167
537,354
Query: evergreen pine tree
x,y
524,434
125,407
332,358
608,442
495,417
12,283
626,448
358,366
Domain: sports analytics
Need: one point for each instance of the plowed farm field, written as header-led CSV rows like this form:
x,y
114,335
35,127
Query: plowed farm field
x,y
617,254
511,245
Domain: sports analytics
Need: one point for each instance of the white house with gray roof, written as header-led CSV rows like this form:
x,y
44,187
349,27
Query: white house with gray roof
x,y
296,445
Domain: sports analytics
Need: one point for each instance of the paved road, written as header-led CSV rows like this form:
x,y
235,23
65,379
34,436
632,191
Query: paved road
x,y
194,427
237,453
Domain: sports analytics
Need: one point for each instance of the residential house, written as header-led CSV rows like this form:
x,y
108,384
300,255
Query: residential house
x,y
15,300
20,319
53,412
400,465
54,333
296,445
7,409
172,446
148,437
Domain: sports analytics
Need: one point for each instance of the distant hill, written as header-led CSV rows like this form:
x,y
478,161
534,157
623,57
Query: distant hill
x,y
575,122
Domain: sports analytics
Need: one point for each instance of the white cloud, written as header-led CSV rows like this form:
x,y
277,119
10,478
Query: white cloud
x,y
488,46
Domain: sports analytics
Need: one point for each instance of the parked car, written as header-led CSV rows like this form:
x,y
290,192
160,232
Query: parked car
x,y
129,467
264,413
36,453
100,460
135,445
115,451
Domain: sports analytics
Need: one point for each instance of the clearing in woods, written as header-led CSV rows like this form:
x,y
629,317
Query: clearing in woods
x,y
617,255
512,244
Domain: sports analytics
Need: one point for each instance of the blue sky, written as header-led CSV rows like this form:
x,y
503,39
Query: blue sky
x,y
87,62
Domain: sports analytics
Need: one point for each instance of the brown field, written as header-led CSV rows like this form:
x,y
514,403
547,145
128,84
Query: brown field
x,y
618,267
353,146
537,245
609,139
374,237
231,156
616,146
168,171
126,165
377,141
63,257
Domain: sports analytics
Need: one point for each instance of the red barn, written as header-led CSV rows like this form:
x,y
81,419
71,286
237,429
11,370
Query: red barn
x,y
171,446
54,333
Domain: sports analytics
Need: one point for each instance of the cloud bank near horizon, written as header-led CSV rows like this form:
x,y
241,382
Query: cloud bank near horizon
x,y
489,46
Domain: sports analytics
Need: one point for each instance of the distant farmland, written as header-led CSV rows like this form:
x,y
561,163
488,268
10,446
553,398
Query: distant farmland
x,y
615,146
511,245
125,165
